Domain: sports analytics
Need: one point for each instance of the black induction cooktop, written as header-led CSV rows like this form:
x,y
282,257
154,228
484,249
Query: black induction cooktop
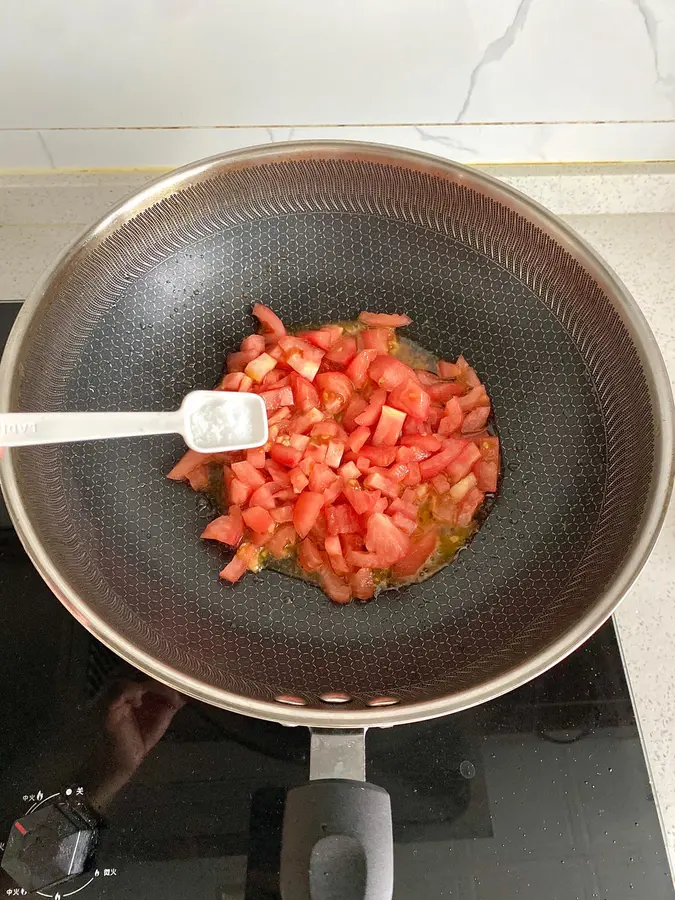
x,y
543,794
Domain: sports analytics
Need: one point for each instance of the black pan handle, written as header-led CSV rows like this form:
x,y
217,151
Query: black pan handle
x,y
337,837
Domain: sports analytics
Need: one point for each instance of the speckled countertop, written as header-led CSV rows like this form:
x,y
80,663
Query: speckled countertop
x,y
626,213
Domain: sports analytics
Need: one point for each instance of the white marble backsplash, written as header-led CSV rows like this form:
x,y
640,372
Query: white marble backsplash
x,y
158,83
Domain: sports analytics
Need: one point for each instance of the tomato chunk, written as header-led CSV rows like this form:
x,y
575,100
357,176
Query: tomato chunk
x,y
301,356
357,370
420,550
385,320
389,427
270,321
306,512
227,529
343,351
385,540
335,391
324,337
389,372
277,398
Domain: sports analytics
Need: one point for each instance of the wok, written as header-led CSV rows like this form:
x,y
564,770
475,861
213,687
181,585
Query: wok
x,y
144,307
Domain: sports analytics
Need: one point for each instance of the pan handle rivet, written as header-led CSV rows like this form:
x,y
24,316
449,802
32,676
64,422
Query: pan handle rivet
x,y
291,700
382,701
335,697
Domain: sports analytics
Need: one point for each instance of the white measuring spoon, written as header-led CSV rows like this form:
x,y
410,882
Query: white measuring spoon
x,y
210,422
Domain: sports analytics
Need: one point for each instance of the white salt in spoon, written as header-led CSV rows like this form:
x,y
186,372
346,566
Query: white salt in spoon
x,y
210,422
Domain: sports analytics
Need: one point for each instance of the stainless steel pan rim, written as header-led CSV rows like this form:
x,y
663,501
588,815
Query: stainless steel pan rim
x,y
343,717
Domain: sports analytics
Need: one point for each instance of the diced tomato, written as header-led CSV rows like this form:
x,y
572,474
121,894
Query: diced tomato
x,y
421,549
441,484
326,430
332,492
277,473
237,362
463,462
378,456
373,432
377,482
475,420
256,456
458,491
358,437
362,584
321,477
349,471
362,463
489,448
253,342
414,475
336,587
302,356
282,514
354,408
304,393
343,351
231,381
389,427
260,366
269,321
444,390
411,399
306,512
476,397
449,370
372,411
389,372
227,529
469,377
187,463
299,480
342,520
405,507
362,501
468,507
357,370
285,455
384,320
359,558
487,474
378,339
277,416
316,452
308,556
385,540
335,555
335,391
258,519
265,496
238,492
282,541
437,463
245,472
299,441
453,418
198,478
304,422
233,570
277,397
334,453
324,337
426,442
403,523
